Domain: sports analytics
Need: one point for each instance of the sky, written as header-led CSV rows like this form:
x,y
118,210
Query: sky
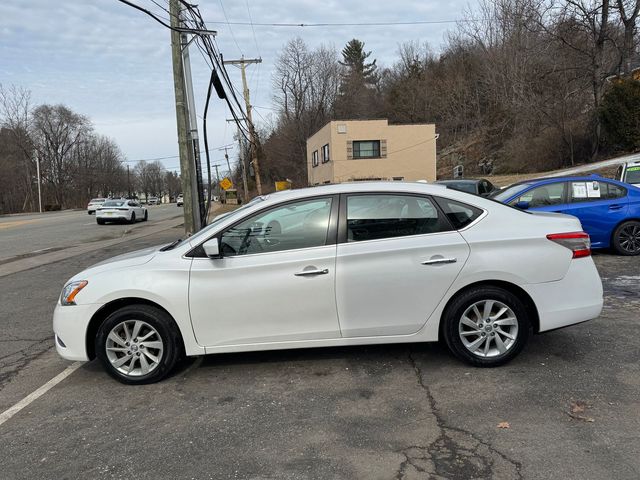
x,y
112,63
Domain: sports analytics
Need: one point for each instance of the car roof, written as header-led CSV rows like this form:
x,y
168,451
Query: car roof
x,y
470,181
568,178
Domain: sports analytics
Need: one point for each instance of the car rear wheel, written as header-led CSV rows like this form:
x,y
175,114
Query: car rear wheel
x,y
138,344
146,216
133,217
626,238
486,326
100,221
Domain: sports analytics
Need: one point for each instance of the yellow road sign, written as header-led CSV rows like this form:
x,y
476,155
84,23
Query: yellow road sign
x,y
283,186
226,184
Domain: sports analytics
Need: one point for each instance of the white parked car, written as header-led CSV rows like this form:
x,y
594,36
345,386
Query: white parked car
x,y
94,203
350,264
180,200
153,201
629,173
121,211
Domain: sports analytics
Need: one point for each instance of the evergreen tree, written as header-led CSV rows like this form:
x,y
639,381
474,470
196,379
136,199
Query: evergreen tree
x,y
355,58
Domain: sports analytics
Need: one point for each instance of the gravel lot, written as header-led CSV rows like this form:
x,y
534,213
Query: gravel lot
x,y
571,401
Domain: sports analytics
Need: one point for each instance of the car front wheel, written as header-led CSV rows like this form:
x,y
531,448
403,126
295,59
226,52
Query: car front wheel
x,y
486,326
133,218
626,238
138,344
146,216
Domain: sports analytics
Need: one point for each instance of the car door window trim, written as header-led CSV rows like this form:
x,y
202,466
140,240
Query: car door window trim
x,y
197,252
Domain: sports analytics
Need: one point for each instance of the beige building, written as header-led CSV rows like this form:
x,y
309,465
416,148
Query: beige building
x,y
353,150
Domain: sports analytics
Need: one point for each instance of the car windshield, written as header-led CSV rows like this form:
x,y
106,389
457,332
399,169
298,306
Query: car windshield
x,y
114,203
509,192
632,175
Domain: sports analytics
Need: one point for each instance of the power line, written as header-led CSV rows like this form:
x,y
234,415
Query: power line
x,y
230,30
344,24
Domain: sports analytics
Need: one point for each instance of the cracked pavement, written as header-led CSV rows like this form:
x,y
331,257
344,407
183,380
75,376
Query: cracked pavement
x,y
377,412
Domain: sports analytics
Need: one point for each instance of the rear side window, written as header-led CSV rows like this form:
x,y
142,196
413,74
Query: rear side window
x,y
611,191
459,214
373,217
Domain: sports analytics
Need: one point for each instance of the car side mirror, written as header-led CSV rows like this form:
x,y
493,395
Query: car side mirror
x,y
522,205
212,248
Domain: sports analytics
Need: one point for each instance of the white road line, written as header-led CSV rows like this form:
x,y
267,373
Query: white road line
x,y
7,414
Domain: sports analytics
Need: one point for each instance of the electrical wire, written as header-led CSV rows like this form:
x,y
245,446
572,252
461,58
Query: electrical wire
x,y
206,146
340,24
163,21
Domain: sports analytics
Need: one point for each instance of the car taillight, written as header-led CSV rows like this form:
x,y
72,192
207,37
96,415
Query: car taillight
x,y
578,242
123,209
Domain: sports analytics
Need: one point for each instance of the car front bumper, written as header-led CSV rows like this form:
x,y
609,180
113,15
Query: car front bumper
x,y
574,299
70,325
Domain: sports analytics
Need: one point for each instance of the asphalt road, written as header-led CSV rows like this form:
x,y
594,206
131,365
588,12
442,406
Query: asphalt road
x,y
384,412
22,235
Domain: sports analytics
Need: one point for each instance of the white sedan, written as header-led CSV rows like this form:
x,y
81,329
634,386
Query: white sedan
x,y
121,211
94,204
350,264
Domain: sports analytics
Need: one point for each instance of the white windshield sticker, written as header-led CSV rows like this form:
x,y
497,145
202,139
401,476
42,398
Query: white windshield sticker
x,y
579,190
593,189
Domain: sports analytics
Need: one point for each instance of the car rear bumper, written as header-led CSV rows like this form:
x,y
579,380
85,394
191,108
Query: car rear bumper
x,y
114,217
70,325
574,299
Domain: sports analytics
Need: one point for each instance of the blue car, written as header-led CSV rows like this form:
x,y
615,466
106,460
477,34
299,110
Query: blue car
x,y
609,210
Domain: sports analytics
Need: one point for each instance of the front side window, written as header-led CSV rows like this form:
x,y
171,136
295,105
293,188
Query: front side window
x,y
301,224
372,217
366,149
325,153
543,196
314,158
459,214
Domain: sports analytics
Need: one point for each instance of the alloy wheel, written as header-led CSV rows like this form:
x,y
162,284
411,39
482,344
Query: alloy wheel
x,y
488,328
629,238
134,348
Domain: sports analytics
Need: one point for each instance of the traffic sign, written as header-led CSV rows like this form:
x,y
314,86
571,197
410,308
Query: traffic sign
x,y
226,184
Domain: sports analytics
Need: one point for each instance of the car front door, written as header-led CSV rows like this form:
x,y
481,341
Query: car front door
x,y
275,281
397,257
600,206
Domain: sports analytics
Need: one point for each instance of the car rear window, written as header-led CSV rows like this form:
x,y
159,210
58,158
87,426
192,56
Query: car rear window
x,y
114,203
93,200
459,214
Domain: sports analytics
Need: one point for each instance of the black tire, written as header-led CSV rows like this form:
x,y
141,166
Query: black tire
x,y
626,238
100,221
162,323
146,216
89,212
133,217
453,314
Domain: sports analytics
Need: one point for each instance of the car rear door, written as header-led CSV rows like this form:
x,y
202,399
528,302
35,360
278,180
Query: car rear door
x,y
600,206
396,258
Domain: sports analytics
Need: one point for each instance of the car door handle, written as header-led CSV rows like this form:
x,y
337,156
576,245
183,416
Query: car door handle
x,y
615,207
305,273
438,261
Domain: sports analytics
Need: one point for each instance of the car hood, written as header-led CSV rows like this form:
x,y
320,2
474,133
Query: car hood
x,y
131,259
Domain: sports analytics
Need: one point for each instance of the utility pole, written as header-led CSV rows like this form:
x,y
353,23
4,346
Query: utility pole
x,y
39,182
252,132
188,142
129,181
243,162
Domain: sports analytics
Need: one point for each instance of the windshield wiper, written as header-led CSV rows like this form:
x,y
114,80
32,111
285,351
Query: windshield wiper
x,y
171,246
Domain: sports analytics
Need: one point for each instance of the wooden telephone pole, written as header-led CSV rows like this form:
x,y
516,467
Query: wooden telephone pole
x,y
188,143
242,63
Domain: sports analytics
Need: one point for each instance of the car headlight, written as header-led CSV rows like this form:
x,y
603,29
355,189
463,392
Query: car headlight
x,y
70,291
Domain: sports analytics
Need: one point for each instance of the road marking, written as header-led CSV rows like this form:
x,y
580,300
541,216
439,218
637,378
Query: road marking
x,y
7,414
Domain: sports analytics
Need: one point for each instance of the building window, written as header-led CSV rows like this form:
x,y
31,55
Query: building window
x,y
366,149
325,153
314,158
